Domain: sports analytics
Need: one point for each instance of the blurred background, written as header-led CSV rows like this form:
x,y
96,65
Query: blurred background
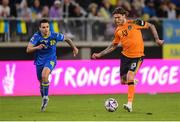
x,y
89,23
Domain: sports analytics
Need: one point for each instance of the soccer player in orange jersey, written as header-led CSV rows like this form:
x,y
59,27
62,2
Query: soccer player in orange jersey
x,y
128,34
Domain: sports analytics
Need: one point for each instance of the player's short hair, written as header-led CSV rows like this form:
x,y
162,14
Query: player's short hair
x,y
43,21
120,10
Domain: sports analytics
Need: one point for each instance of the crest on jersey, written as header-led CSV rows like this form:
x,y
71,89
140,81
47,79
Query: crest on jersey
x,y
129,27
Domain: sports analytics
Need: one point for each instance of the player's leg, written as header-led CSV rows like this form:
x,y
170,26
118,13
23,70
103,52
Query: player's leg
x,y
123,79
45,87
131,91
39,69
124,67
131,85
45,82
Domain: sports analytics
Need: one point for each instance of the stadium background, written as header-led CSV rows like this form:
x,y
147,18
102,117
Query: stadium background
x,y
89,23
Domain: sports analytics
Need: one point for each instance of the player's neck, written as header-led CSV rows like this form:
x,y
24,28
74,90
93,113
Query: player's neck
x,y
45,35
124,22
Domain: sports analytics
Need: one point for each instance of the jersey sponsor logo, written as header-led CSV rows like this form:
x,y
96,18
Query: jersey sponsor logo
x,y
45,41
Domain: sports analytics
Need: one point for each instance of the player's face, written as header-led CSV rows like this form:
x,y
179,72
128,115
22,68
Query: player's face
x,y
44,28
119,19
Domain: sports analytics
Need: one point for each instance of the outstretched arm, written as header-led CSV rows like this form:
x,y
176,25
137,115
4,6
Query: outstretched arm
x,y
31,48
109,49
155,34
70,42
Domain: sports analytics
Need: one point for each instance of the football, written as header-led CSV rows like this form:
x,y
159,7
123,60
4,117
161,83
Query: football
x,y
111,104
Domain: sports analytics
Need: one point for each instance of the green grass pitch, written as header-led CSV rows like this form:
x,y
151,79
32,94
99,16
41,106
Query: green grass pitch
x,y
91,108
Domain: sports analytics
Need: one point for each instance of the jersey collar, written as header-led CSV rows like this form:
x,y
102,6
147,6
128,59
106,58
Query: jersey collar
x,y
45,37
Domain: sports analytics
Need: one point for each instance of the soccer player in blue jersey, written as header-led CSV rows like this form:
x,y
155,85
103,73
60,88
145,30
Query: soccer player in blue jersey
x,y
43,43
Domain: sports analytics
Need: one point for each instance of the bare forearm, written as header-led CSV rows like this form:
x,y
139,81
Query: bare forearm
x,y
109,49
31,49
70,43
154,31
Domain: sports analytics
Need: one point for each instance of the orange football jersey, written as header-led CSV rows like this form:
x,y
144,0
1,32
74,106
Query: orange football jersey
x,y
130,37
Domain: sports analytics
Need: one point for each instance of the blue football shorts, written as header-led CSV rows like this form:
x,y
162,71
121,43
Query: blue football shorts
x,y
39,68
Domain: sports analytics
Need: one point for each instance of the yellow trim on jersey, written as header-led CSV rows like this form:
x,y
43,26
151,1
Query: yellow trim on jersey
x,y
52,63
45,37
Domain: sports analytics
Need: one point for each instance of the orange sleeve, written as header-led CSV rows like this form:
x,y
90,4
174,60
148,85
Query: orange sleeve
x,y
116,39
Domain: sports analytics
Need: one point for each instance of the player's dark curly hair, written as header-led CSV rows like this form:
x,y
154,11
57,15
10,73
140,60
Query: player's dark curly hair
x,y
43,21
120,10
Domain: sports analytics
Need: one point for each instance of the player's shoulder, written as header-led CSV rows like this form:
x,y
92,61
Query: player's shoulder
x,y
138,22
119,29
116,30
37,34
55,35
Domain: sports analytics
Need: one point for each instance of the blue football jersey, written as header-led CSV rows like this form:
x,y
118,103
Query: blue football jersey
x,y
49,52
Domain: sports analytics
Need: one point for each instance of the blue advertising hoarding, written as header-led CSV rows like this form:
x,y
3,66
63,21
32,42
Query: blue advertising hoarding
x,y
171,31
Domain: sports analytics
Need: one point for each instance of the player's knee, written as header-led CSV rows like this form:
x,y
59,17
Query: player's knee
x,y
44,77
130,77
